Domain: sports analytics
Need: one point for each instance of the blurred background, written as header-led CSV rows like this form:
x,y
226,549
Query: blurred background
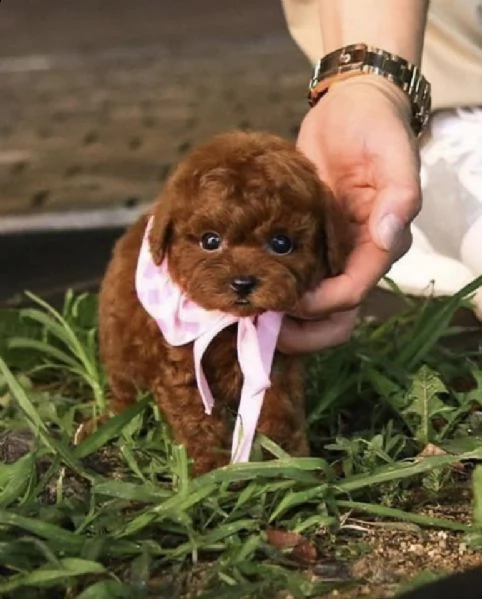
x,y
100,98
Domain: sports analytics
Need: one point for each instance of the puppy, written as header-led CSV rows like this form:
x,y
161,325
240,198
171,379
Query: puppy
x,y
243,228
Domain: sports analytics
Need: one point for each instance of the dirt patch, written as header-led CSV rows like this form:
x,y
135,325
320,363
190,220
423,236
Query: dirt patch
x,y
393,554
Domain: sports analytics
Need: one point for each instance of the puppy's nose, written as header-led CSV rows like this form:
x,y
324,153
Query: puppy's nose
x,y
243,285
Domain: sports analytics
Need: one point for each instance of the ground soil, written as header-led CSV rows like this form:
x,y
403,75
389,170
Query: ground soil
x,y
397,553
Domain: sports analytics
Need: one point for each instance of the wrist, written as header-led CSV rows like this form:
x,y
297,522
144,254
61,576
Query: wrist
x,y
393,73
379,85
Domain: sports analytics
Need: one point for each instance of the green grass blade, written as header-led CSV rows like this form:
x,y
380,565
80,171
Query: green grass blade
x,y
253,492
273,448
59,537
317,522
17,480
48,576
432,328
395,514
49,324
22,398
110,429
206,485
106,589
300,469
211,541
119,489
230,529
173,508
42,348
239,591
35,422
477,494
401,470
57,325
298,498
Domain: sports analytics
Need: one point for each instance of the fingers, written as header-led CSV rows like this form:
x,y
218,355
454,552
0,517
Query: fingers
x,y
299,336
365,267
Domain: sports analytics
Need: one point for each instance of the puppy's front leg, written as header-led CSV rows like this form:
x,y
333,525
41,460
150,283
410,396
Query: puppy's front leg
x,y
205,437
282,416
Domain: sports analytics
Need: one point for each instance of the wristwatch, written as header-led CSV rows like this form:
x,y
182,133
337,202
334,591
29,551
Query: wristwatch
x,y
360,59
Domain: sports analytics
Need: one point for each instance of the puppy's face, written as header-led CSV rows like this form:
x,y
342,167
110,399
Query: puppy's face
x,y
246,225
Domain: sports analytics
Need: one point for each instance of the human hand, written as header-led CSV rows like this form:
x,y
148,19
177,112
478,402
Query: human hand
x,y
360,139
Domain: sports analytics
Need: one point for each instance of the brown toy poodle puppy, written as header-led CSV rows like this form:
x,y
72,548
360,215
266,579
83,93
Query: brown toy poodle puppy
x,y
246,227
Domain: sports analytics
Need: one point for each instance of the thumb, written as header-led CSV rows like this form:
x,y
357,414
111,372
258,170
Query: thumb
x,y
398,202
390,221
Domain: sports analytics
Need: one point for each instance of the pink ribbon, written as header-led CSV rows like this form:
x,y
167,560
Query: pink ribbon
x,y
182,321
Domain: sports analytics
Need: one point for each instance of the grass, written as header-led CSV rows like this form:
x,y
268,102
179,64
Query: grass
x,y
118,514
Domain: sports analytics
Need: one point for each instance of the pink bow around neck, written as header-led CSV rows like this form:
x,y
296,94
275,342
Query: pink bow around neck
x,y
181,321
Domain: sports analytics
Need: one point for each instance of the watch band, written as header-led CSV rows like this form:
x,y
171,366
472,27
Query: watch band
x,y
360,59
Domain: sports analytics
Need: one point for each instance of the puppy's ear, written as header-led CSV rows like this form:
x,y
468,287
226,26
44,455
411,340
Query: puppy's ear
x,y
336,240
161,229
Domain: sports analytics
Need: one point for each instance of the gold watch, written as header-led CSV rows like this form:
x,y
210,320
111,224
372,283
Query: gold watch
x,y
360,59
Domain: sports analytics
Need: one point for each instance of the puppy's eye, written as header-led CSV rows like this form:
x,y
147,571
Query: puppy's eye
x,y
281,245
210,241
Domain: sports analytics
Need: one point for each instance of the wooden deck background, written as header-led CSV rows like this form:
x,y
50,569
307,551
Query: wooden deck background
x,y
99,99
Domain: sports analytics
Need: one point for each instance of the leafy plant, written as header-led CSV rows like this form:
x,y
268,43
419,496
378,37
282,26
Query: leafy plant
x,y
118,514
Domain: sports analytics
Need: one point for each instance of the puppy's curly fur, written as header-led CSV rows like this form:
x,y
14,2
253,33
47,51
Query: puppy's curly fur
x,y
248,188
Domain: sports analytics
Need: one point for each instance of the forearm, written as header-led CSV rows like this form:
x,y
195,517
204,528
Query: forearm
x,y
396,26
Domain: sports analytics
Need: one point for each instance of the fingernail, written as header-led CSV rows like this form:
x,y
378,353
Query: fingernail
x,y
389,231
